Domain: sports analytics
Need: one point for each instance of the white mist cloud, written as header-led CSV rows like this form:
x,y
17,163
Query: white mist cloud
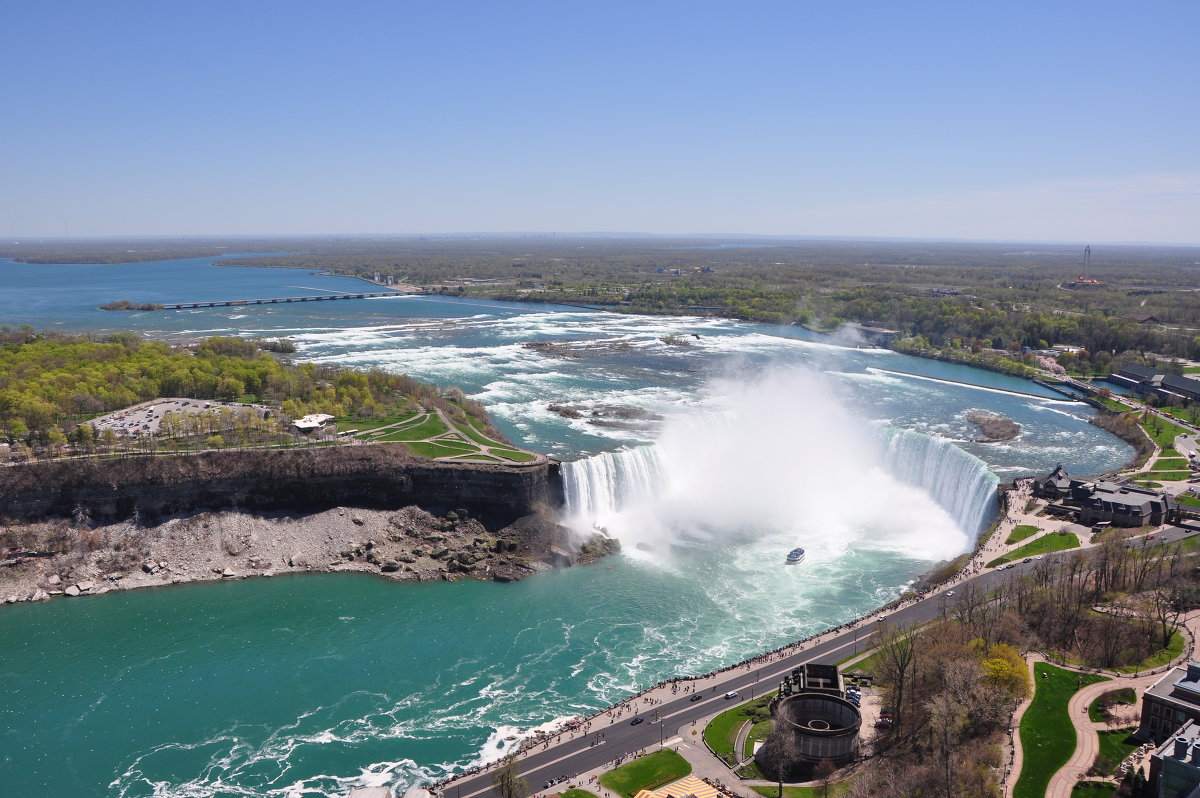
x,y
777,456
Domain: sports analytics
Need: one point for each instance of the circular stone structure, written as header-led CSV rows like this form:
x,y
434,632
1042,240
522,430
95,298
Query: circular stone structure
x,y
809,727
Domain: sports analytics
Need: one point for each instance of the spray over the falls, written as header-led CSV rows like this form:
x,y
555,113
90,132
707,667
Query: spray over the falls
x,y
782,456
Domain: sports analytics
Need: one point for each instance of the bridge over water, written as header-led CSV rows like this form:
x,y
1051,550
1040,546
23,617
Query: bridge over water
x,y
277,300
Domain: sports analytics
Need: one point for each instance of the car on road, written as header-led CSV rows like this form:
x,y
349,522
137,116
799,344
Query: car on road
x,y
696,697
1150,537
949,593
1040,556
636,721
1027,559
731,694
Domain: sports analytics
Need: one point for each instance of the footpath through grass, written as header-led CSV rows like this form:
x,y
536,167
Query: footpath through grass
x,y
721,732
1043,545
1022,531
647,773
1114,747
1047,735
1122,695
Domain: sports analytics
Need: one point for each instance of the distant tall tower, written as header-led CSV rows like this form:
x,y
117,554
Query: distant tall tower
x,y
1087,262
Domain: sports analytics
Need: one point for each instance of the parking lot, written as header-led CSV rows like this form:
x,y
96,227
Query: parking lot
x,y
144,419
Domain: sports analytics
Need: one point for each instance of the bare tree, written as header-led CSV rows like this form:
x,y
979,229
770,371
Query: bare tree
x,y
508,782
897,656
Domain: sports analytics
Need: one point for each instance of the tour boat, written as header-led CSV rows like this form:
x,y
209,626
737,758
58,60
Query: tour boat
x,y
795,556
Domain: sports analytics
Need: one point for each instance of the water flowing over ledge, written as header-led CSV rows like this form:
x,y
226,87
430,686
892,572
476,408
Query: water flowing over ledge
x,y
606,486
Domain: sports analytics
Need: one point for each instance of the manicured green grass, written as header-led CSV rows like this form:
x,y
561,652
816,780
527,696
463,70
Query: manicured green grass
x,y
435,449
1124,695
430,427
1191,501
512,454
1147,483
1115,746
1169,464
577,793
1172,476
758,732
722,730
647,773
838,788
1162,431
471,430
1160,658
1047,736
1043,545
1022,531
368,424
1094,789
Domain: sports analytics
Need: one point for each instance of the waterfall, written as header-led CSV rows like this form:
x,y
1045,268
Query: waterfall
x,y
959,482
599,488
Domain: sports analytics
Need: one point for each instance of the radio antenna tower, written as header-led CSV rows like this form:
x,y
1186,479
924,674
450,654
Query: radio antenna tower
x,y
1087,262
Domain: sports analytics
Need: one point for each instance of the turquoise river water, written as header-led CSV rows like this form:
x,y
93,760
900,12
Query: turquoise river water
x,y
309,685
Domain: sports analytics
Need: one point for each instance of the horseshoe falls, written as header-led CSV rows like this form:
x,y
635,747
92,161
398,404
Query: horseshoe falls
x,y
769,438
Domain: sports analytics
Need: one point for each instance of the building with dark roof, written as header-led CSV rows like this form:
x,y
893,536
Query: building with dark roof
x,y
1175,765
1097,502
1055,485
1123,505
1170,702
1144,380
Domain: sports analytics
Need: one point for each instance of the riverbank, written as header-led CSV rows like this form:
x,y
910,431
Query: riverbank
x,y
408,545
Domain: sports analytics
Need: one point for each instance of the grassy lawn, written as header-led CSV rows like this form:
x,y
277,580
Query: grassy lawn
x,y
1159,659
368,424
428,427
1047,736
1169,464
840,788
1162,431
1191,501
471,430
577,793
758,732
1022,531
1172,476
1124,695
1147,483
512,454
722,730
435,449
1094,789
1114,747
647,773
1043,545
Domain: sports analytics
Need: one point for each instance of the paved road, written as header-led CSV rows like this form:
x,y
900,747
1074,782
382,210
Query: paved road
x,y
580,753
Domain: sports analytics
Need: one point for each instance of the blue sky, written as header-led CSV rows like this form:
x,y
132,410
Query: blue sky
x,y
1070,121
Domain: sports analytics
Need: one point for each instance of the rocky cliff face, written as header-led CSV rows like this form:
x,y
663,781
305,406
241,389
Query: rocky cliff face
x,y
379,476
88,526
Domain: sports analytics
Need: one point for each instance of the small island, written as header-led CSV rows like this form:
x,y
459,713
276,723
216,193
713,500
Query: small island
x,y
995,428
125,304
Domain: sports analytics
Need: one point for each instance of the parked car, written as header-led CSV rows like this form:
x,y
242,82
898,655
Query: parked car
x,y
731,694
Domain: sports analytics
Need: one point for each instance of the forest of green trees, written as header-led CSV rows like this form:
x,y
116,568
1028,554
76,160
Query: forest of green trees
x,y
51,384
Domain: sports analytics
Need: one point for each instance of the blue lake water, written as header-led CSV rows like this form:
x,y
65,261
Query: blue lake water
x,y
770,438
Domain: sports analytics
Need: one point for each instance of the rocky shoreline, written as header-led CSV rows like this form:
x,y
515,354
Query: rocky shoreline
x,y
73,557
